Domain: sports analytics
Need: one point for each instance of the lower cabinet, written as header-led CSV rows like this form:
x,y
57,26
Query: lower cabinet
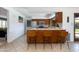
x,y
46,36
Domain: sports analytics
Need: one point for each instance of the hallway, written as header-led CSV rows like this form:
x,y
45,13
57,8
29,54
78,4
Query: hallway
x,y
19,45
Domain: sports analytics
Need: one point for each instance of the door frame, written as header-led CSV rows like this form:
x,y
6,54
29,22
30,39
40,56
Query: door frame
x,y
74,25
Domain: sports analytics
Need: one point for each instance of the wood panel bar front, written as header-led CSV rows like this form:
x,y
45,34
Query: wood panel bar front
x,y
40,36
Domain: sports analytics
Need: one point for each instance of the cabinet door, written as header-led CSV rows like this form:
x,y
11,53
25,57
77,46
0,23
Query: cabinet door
x,y
58,17
47,21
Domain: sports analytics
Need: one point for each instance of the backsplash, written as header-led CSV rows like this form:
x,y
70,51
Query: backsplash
x,y
43,24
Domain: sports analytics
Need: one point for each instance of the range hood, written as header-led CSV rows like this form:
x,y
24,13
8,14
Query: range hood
x,y
50,15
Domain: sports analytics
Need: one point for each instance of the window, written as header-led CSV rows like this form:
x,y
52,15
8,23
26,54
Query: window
x,y
2,24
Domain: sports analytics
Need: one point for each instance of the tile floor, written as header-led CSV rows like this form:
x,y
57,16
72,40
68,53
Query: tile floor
x,y
20,45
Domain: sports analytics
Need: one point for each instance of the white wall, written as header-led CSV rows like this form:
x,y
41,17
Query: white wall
x,y
15,29
69,12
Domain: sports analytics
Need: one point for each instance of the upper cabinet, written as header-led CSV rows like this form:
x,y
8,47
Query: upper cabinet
x,y
58,17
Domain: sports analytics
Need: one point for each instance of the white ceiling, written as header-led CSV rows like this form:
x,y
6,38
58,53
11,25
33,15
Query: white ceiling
x,y
34,12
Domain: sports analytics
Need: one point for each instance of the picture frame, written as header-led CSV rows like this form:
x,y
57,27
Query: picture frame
x,y
20,19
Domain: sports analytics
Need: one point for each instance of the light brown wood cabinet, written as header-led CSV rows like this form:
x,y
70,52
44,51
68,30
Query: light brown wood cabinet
x,y
58,18
46,36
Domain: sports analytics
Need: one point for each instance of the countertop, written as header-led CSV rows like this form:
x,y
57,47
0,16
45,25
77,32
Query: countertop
x,y
53,28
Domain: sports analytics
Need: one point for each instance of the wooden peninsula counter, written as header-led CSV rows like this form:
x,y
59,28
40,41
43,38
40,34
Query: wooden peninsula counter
x,y
46,35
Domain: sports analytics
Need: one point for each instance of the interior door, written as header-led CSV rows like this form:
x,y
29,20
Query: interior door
x,y
3,28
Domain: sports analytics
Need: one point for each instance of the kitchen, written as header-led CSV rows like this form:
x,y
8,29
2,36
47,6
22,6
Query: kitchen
x,y
47,30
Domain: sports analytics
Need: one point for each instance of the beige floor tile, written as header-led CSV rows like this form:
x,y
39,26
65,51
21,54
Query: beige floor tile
x,y
20,45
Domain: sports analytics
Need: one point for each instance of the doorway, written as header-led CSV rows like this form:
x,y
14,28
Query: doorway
x,y
3,25
76,26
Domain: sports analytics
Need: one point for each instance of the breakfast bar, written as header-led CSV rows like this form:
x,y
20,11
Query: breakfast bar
x,y
46,35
